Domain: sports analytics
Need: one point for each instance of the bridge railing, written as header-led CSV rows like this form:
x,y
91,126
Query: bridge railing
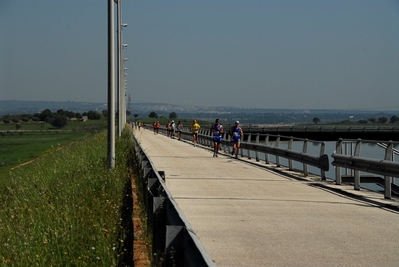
x,y
174,242
252,145
321,128
347,158
256,144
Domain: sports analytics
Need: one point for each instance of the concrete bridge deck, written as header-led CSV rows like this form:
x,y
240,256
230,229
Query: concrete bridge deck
x,y
248,214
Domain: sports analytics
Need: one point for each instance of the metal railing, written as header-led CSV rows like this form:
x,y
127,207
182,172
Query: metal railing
x,y
174,242
322,128
345,157
251,144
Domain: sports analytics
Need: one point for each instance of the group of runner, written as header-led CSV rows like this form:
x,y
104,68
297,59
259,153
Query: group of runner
x,y
217,131
235,133
171,128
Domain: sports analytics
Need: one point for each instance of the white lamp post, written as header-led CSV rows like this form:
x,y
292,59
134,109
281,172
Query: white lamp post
x,y
111,87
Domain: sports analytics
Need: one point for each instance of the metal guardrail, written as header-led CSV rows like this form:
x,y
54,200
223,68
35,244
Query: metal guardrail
x,y
174,242
320,161
386,167
322,128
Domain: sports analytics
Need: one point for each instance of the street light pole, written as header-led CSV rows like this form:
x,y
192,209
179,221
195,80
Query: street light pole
x,y
111,87
121,78
119,60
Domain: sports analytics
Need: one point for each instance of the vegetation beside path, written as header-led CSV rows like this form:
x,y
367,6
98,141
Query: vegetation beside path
x,y
68,209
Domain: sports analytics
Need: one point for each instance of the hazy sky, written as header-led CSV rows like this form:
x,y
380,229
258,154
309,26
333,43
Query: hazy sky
x,y
301,54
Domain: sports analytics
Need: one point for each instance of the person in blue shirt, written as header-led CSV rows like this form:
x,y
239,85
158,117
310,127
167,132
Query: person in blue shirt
x,y
217,131
236,134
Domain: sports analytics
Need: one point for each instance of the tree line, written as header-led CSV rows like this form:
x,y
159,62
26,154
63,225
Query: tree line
x,y
58,119
154,115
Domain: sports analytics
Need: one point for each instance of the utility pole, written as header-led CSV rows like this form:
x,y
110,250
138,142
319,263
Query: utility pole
x,y
118,70
111,87
129,105
120,62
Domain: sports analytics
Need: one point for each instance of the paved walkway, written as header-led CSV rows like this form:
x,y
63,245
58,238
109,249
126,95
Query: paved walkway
x,y
249,215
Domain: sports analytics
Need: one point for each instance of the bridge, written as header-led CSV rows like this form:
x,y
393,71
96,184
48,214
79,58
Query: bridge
x,y
248,213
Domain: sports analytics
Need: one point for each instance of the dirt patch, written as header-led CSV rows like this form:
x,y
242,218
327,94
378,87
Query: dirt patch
x,y
45,154
141,249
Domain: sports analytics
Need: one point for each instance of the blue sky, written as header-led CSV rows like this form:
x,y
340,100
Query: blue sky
x,y
301,54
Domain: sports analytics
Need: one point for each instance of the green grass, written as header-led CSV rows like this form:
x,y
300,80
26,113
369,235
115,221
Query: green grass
x,y
67,208
35,139
20,147
39,126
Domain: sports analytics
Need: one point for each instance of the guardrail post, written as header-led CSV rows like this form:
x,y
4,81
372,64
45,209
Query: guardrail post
x,y
249,141
290,165
174,249
348,151
257,142
267,144
208,142
338,150
158,228
322,172
277,145
223,144
305,150
357,172
388,179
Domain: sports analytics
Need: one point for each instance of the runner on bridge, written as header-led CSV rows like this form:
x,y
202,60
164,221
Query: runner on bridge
x,y
235,135
217,131
195,127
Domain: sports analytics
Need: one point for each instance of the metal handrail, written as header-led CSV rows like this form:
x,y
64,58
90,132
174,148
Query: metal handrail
x,y
320,161
385,167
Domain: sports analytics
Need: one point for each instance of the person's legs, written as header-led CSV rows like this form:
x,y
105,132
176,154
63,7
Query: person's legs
x,y
215,147
234,147
237,148
194,138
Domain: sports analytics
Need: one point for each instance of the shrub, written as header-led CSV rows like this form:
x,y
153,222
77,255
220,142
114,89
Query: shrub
x,y
59,121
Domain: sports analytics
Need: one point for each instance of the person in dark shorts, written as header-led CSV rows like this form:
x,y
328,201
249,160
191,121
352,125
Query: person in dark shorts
x,y
217,131
195,127
236,134
172,129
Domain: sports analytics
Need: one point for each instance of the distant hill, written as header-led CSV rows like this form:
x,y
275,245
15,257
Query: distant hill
x,y
226,114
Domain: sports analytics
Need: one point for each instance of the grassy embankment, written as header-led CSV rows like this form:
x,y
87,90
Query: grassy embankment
x,y
34,139
68,209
